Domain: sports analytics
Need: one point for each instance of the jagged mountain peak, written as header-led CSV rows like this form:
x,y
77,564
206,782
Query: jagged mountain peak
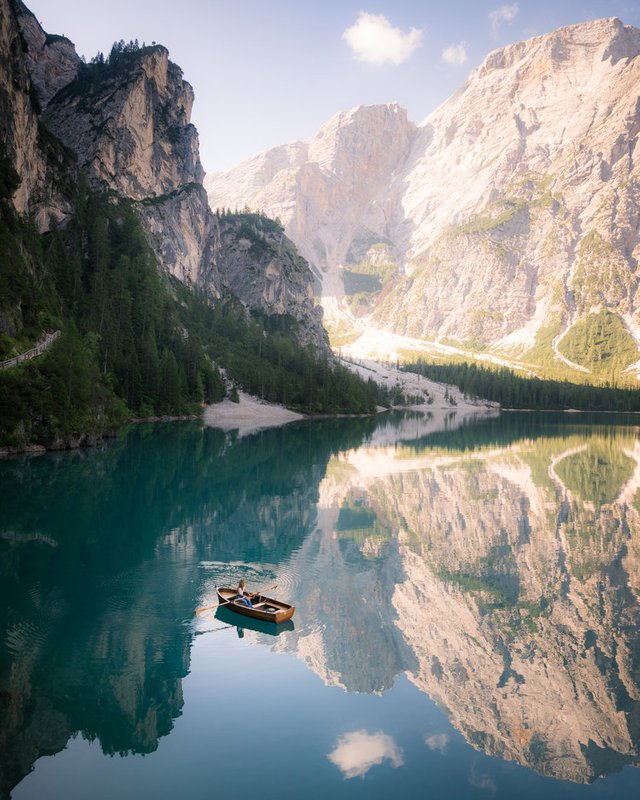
x,y
609,37
510,211
362,114
353,130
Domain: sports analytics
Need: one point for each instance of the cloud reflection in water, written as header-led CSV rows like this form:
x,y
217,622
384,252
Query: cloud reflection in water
x,y
438,741
356,752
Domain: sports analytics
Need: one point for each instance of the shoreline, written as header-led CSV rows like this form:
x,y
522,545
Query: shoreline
x,y
248,415
251,415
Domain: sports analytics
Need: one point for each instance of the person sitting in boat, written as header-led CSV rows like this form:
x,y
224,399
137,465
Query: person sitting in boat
x,y
242,596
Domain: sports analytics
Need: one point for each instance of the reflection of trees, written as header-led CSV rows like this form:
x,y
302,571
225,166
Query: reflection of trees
x,y
597,472
506,589
97,557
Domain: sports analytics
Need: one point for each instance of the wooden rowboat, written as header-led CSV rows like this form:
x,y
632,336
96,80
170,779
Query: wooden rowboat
x,y
264,608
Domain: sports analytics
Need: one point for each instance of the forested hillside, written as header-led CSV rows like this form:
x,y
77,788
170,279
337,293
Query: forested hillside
x,y
107,238
510,390
135,341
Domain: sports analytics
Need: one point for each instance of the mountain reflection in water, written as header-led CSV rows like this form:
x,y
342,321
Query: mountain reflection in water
x,y
518,604
496,564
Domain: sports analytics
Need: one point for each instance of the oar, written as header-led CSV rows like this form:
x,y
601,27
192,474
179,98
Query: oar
x,y
214,630
258,591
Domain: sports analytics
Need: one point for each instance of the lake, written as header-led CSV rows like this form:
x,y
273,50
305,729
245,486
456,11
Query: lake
x,y
467,612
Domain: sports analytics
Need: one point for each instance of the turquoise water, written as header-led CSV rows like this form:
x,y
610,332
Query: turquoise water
x,y
467,612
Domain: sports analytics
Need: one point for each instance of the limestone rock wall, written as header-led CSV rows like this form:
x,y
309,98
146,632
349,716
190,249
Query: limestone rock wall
x,y
125,124
52,60
515,176
129,123
512,206
262,267
331,190
18,116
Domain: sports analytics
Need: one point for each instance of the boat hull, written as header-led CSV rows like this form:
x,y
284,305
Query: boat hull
x,y
264,608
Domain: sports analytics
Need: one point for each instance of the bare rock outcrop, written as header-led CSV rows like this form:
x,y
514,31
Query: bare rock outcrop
x,y
52,60
520,182
129,123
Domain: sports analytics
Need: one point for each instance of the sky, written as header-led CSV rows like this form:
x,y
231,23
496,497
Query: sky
x,y
266,73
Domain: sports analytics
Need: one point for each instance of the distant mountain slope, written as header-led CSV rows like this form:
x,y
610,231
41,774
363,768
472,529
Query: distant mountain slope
x,y
330,192
510,213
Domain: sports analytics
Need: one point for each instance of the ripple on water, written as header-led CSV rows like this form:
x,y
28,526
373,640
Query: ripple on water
x,y
24,636
292,580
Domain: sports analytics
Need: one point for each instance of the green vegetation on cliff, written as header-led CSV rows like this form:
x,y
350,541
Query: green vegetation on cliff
x,y
126,347
601,343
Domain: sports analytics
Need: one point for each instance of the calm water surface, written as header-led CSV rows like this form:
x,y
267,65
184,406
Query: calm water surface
x,y
467,620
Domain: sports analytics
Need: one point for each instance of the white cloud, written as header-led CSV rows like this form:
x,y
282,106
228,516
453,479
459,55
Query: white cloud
x,y
503,14
374,39
455,54
356,752
438,741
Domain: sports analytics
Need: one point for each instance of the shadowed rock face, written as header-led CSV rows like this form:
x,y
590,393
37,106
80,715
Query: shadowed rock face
x,y
513,206
19,109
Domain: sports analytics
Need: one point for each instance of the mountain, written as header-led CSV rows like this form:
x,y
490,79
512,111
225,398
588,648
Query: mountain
x,y
327,191
106,235
127,120
507,221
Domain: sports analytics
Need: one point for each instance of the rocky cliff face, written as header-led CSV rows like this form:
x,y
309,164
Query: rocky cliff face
x,y
512,208
34,157
125,123
52,61
330,192
522,196
128,121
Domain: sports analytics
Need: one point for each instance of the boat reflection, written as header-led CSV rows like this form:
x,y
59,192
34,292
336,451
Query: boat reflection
x,y
228,617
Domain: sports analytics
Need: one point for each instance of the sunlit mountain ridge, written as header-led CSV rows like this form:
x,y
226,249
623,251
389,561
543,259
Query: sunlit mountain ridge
x,y
505,223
